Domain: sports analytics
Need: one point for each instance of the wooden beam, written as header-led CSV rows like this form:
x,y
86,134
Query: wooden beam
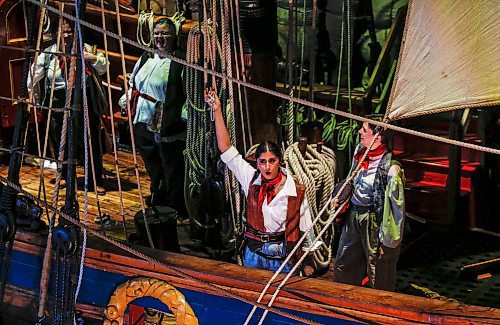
x,y
475,269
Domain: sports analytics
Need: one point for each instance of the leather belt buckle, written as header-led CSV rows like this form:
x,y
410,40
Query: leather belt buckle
x,y
265,238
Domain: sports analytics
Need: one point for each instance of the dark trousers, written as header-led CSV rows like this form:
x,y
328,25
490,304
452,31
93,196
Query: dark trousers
x,y
56,127
165,166
358,253
95,137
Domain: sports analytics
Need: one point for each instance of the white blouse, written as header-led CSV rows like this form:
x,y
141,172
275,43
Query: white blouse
x,y
275,212
150,79
48,65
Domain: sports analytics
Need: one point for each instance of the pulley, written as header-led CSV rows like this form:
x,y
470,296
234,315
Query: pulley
x,y
7,227
65,239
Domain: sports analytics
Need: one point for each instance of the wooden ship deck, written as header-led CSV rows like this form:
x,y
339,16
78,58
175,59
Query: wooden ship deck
x,y
109,203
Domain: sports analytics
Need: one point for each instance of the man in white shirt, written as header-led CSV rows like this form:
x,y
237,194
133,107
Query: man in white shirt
x,y
50,64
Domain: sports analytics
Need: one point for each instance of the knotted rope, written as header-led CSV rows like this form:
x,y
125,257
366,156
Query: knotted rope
x,y
316,171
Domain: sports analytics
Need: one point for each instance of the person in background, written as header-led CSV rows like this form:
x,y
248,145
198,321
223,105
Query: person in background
x,y
159,130
371,236
55,69
277,209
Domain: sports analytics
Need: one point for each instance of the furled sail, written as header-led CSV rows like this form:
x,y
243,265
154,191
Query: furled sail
x,y
449,58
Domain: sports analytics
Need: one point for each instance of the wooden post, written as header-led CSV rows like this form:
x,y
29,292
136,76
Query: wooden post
x,y
303,146
455,168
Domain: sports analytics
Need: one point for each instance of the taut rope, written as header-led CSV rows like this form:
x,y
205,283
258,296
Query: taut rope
x,y
325,228
143,256
130,122
285,96
47,257
112,117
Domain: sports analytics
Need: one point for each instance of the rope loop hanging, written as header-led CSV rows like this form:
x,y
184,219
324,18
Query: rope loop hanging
x,y
145,21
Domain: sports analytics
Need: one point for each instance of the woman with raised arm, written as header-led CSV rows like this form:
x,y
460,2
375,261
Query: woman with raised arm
x,y
277,209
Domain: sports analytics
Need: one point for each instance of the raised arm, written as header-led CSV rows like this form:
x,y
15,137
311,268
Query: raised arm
x,y
223,140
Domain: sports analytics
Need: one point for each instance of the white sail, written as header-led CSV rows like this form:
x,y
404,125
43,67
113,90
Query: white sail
x,y
449,58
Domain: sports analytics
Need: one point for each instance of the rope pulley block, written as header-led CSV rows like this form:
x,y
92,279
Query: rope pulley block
x,y
65,239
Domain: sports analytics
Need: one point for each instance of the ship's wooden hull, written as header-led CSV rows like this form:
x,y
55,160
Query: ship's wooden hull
x,y
106,267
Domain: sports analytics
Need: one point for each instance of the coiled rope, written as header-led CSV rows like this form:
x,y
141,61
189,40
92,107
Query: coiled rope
x,y
317,172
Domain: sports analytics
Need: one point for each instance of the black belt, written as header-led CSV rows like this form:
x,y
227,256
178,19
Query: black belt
x,y
264,237
361,208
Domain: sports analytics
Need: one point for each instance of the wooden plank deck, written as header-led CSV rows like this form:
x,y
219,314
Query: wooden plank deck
x,y
109,203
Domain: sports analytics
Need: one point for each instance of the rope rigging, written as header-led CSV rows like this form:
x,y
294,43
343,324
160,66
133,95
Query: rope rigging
x,y
113,131
285,96
66,236
87,144
47,259
130,122
316,171
345,130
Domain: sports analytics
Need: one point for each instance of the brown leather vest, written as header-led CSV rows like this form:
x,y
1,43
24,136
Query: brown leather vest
x,y
255,218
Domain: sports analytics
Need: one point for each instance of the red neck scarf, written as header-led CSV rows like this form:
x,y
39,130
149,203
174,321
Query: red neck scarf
x,y
267,188
371,154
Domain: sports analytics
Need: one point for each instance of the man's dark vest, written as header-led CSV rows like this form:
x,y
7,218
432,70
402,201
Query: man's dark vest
x,y
256,221
380,183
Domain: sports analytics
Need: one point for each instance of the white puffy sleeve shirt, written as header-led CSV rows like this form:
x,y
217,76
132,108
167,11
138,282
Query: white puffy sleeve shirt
x,y
150,79
275,212
47,65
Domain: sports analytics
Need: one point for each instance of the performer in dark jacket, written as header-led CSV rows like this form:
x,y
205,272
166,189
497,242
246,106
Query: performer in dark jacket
x,y
159,130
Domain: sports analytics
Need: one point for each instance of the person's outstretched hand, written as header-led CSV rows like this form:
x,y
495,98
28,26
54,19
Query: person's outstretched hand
x,y
211,94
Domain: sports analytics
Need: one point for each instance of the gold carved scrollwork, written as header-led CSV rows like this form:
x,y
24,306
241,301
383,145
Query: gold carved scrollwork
x,y
148,287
